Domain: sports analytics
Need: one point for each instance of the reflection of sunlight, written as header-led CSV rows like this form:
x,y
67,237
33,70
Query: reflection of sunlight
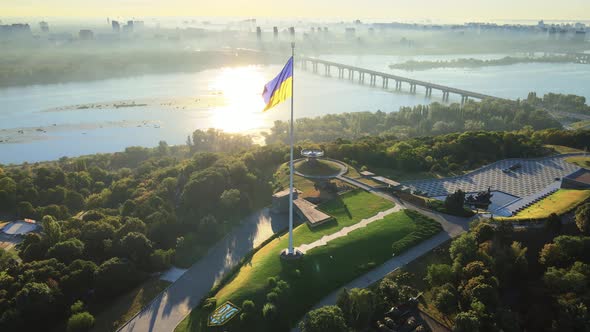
x,y
242,89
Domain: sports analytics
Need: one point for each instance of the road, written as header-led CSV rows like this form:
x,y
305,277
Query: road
x,y
176,302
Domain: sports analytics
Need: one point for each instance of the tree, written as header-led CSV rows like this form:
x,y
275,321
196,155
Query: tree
x,y
388,291
52,230
445,299
455,201
467,321
269,312
363,306
136,246
230,198
324,319
34,298
115,276
74,201
25,209
553,223
483,232
78,278
80,322
583,218
464,248
439,274
66,251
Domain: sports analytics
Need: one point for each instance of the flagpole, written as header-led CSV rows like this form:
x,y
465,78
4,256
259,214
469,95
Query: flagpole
x,y
291,250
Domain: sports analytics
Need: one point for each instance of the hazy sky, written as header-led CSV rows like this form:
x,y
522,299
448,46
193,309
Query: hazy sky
x,y
444,10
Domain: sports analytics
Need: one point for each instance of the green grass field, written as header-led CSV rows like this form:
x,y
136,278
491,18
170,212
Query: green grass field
x,y
559,202
322,269
562,149
582,161
321,168
584,124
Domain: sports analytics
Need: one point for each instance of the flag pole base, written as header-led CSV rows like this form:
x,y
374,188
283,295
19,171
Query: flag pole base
x,y
289,257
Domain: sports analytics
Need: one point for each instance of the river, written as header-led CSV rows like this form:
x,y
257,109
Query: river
x,y
46,122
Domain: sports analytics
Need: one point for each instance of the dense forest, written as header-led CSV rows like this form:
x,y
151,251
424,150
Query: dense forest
x,y
109,220
493,278
433,119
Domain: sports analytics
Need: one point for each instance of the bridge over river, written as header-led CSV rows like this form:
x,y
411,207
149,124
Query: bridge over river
x,y
353,71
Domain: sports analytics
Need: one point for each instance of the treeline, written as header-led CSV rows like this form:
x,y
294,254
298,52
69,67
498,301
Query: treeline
x,y
476,63
452,152
560,102
28,66
433,119
110,220
495,283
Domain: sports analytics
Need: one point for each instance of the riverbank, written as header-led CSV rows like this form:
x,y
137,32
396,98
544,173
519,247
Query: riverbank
x,y
477,63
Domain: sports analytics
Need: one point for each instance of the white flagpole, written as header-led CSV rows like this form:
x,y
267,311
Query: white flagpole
x,y
291,249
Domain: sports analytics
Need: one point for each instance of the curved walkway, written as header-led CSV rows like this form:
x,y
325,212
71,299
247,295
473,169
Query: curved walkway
x,y
176,302
343,170
452,227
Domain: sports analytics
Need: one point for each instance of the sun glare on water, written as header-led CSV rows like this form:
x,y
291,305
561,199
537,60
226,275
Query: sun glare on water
x,y
241,89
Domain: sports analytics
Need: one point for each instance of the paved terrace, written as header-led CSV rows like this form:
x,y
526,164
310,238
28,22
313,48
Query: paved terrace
x,y
532,177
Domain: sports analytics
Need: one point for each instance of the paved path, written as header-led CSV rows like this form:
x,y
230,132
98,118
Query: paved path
x,y
452,227
344,231
172,305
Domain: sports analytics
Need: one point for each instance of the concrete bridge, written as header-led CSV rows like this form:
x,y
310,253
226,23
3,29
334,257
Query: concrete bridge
x,y
352,73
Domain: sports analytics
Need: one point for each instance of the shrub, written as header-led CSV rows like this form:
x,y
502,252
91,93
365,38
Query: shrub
x,y
80,322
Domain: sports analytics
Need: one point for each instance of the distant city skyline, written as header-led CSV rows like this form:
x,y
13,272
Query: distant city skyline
x,y
385,10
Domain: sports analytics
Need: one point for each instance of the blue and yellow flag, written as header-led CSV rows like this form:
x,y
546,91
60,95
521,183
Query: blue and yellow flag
x,y
279,89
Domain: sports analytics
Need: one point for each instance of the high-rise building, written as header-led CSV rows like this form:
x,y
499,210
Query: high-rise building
x,y
116,26
128,28
86,34
292,31
275,32
258,33
44,26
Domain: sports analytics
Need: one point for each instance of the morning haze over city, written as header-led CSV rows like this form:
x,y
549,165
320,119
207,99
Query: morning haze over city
x,y
304,166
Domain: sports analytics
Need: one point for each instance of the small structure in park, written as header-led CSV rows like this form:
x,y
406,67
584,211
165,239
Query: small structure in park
x,y
579,179
303,208
481,200
223,314
312,155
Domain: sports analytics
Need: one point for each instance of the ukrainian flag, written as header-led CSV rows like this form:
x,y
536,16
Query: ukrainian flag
x,y
279,89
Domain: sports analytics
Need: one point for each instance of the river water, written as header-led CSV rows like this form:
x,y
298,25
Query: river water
x,y
46,122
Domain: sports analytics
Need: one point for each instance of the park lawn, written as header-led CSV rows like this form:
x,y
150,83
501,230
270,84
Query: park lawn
x,y
563,149
584,124
323,269
354,174
582,161
560,202
116,313
306,186
399,175
321,168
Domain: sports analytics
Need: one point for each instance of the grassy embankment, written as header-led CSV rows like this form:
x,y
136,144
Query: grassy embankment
x,y
560,202
582,161
325,268
321,168
562,149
